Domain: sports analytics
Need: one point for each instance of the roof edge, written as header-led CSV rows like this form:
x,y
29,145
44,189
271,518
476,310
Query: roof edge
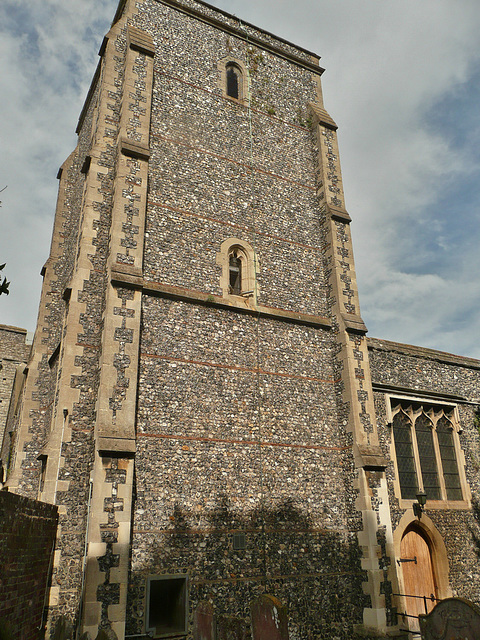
x,y
182,7
422,352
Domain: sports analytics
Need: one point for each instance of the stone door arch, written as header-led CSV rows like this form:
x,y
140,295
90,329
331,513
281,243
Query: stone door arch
x,y
419,581
422,567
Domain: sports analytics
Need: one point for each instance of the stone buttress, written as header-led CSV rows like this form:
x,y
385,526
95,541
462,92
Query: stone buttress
x,y
107,567
376,538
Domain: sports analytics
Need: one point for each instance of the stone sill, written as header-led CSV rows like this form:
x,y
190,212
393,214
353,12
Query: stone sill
x,y
124,276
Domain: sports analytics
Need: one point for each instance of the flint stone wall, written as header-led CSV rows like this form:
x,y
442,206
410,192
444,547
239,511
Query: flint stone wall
x,y
238,417
426,370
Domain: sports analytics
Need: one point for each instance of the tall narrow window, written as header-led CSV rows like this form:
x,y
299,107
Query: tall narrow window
x,y
402,433
426,452
235,270
239,268
234,81
449,460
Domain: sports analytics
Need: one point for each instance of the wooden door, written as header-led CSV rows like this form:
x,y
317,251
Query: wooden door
x,y
418,577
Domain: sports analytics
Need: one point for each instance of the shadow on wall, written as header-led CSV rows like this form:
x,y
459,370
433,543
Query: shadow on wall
x,y
235,557
475,529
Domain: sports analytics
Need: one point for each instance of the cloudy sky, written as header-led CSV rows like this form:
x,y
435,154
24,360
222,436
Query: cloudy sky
x,y
402,82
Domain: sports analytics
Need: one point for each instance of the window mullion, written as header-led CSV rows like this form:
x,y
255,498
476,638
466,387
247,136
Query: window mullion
x,y
438,457
416,454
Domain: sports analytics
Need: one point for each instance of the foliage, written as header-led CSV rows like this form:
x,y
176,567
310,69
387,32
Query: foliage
x,y
4,285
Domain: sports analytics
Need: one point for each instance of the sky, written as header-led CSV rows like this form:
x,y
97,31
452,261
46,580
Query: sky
x,y
402,81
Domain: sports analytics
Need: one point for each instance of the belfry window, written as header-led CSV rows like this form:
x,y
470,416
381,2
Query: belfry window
x,y
234,81
235,273
425,451
239,267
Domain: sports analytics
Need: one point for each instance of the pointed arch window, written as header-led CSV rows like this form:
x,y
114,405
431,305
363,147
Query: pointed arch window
x,y
426,457
239,267
407,474
449,459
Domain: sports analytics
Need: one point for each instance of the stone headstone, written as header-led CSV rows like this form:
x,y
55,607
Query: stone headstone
x,y
63,629
204,622
5,631
269,619
451,619
106,634
229,628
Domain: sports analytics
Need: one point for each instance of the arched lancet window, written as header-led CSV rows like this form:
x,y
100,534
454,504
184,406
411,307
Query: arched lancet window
x,y
239,267
234,81
426,452
235,272
448,458
402,433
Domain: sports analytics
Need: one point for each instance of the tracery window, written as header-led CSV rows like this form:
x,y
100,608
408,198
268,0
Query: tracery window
x,y
426,458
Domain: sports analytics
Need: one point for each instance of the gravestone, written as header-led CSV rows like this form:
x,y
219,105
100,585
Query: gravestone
x,y
269,619
451,619
63,629
204,622
229,628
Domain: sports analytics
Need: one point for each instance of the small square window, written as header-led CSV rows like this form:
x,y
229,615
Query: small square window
x,y
167,605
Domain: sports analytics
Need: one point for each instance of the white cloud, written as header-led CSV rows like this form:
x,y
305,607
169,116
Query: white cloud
x,y
48,53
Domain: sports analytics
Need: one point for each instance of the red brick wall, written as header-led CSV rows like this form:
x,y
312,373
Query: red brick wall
x,y
27,533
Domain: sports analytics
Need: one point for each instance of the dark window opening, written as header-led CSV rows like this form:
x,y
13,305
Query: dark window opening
x,y
233,82
43,472
235,271
449,461
405,458
167,606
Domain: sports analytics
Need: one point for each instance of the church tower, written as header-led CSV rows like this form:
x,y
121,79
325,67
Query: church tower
x,y
199,402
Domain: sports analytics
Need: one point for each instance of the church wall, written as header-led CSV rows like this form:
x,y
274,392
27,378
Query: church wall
x,y
436,377
223,448
88,196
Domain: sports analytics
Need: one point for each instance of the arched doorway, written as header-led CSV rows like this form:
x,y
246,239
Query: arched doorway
x,y
419,582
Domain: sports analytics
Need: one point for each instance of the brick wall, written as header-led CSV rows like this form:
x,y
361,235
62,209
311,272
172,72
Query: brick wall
x,y
27,534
